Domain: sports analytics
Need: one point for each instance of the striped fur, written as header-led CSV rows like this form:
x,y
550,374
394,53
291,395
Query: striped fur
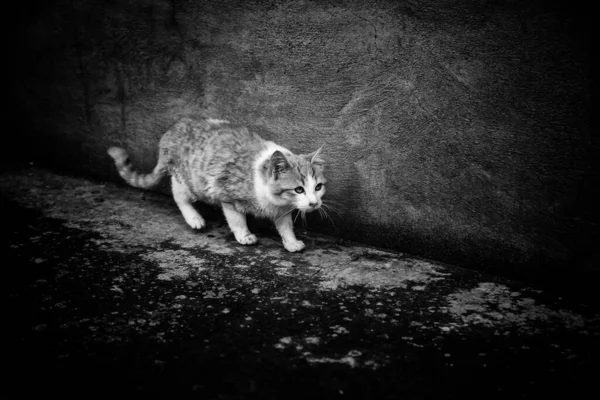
x,y
134,178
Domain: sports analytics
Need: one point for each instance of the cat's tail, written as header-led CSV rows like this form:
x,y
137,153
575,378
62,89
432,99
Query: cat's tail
x,y
135,179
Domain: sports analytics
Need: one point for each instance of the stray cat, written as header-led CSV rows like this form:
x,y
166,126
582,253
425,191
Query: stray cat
x,y
213,161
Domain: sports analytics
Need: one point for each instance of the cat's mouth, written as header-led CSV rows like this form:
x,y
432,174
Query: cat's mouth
x,y
309,208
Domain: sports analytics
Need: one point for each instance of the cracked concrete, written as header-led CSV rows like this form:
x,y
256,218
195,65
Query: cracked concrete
x,y
109,289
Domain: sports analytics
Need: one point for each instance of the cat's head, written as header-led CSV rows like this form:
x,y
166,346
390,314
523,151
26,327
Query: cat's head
x,y
296,180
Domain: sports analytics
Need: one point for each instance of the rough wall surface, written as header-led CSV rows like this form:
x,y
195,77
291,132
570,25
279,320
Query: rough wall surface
x,y
452,130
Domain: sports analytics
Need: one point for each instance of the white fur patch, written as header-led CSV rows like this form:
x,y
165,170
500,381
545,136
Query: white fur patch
x,y
192,217
263,195
310,195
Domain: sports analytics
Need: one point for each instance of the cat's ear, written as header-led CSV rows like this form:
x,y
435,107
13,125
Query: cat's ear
x,y
315,157
278,163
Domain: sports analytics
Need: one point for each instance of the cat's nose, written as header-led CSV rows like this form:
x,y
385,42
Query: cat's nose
x,y
312,205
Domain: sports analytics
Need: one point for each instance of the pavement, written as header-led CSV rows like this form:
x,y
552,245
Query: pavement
x,y
109,292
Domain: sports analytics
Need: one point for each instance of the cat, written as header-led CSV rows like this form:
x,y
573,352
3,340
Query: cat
x,y
221,164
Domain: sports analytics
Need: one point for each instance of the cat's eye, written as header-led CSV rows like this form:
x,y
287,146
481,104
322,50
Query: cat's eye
x,y
318,187
299,189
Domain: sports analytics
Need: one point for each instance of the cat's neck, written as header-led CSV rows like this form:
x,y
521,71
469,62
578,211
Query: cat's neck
x,y
265,200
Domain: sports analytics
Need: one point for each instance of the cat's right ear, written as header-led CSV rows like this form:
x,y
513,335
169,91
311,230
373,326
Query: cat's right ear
x,y
278,163
315,157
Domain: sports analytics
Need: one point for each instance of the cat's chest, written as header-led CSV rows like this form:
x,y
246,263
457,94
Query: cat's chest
x,y
246,207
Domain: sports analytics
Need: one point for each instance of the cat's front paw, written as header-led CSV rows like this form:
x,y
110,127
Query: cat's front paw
x,y
294,246
194,220
247,240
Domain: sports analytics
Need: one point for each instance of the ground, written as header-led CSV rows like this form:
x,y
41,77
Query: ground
x,y
110,292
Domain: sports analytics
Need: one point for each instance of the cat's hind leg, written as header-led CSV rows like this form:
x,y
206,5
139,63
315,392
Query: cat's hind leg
x,y
183,197
237,224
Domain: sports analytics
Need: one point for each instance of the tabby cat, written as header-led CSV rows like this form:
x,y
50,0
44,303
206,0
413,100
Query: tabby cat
x,y
218,163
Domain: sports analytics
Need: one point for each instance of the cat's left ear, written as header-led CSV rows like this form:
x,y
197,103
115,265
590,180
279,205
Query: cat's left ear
x,y
278,163
315,157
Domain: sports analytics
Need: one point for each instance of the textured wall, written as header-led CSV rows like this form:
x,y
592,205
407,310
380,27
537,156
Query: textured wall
x,y
452,130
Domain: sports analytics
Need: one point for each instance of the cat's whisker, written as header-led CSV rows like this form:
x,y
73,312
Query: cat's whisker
x,y
303,219
337,203
284,214
329,207
320,210
331,204
330,219
323,213
296,217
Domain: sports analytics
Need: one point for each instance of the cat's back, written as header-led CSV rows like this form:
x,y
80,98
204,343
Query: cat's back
x,y
209,138
188,133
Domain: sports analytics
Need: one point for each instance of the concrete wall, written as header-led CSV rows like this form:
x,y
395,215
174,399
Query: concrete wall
x,y
452,129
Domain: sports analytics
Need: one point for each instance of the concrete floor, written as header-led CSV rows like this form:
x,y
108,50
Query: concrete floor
x,y
109,292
